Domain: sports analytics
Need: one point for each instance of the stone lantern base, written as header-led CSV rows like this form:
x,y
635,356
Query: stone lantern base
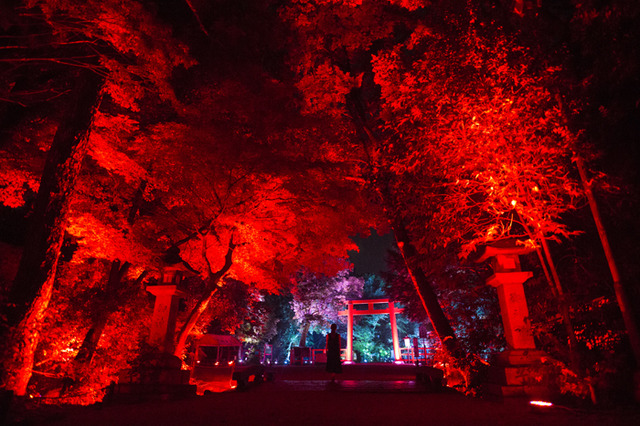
x,y
519,372
158,377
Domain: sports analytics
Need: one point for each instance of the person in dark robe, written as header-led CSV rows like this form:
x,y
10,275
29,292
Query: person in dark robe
x,y
332,348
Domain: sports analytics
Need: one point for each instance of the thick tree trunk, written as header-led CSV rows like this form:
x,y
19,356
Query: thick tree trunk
x,y
33,285
191,321
114,280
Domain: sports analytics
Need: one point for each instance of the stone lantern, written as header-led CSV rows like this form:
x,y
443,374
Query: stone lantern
x,y
159,373
165,310
513,372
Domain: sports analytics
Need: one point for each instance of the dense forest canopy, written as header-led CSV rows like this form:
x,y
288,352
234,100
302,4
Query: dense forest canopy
x,y
245,143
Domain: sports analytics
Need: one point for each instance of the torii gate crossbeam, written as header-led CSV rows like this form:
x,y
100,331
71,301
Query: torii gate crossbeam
x,y
391,310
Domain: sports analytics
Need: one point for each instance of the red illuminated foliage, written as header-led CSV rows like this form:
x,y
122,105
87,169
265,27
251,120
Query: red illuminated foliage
x,y
70,29
66,354
187,185
480,137
464,142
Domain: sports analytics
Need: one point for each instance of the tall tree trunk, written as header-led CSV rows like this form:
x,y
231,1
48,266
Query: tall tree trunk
x,y
427,296
304,330
92,338
553,279
33,285
622,297
564,305
425,292
114,281
213,285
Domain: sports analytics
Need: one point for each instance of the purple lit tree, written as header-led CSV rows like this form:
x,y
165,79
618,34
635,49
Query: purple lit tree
x,y
317,298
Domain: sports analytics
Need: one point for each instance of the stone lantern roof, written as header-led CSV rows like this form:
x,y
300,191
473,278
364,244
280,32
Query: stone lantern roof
x,y
507,247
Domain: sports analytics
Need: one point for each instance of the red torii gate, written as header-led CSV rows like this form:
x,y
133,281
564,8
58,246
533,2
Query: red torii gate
x,y
391,310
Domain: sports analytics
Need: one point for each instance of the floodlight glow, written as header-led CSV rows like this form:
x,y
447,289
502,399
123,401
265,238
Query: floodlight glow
x,y
541,403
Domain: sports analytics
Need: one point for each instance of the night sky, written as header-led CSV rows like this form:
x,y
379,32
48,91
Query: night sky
x,y
371,259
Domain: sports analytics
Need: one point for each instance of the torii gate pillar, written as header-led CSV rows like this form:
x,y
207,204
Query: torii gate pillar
x,y
397,357
349,355
391,310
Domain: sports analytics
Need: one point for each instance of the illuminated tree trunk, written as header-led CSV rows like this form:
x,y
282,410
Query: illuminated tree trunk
x,y
425,292
33,285
563,303
423,288
304,330
91,339
213,285
620,290
114,282
551,274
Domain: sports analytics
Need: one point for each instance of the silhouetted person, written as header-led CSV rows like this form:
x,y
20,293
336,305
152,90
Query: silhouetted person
x,y
334,365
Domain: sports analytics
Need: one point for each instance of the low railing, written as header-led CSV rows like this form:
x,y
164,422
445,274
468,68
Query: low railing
x,y
417,355
319,356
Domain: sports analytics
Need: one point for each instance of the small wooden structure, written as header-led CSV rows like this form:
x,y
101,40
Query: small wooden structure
x,y
215,357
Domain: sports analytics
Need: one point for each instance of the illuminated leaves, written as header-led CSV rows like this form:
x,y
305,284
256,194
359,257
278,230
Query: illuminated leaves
x,y
326,88
318,298
14,184
485,143
329,33
147,51
97,239
22,160
111,136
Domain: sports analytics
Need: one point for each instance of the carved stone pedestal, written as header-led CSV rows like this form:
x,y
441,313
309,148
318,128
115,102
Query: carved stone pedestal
x,y
519,373
159,376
